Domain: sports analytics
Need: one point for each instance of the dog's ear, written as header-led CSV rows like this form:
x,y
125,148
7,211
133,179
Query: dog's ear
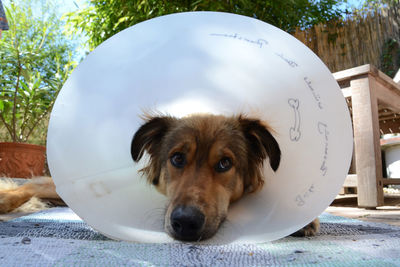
x,y
261,144
149,138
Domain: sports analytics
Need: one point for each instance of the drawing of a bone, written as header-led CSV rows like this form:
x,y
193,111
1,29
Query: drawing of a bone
x,y
295,130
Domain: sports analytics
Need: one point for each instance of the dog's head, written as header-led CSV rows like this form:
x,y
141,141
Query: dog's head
x,y
202,163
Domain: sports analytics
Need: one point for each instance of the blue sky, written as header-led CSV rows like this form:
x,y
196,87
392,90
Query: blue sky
x,y
354,3
63,5
72,5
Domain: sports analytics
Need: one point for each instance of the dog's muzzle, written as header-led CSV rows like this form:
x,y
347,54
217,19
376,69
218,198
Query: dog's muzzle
x,y
187,223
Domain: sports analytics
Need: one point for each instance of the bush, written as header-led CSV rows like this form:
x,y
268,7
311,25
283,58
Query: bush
x,y
35,60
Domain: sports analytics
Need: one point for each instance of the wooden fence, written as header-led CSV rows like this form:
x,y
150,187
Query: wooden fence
x,y
355,41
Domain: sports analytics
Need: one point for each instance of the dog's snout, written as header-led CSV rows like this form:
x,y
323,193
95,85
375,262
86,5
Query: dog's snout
x,y
187,222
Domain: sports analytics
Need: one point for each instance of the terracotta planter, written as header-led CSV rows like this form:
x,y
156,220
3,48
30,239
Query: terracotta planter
x,y
20,160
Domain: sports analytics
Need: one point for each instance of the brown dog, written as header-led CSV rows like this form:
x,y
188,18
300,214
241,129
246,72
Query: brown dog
x,y
202,163
39,187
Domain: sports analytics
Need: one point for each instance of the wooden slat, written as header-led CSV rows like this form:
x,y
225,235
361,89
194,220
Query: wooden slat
x,y
386,110
381,77
390,127
391,181
366,139
388,97
386,80
351,73
388,117
346,92
351,181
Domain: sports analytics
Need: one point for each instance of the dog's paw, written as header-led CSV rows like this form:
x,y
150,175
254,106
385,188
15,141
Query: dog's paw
x,y
310,229
9,201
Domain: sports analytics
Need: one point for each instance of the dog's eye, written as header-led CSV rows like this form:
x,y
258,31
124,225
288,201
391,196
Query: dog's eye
x,y
178,160
223,165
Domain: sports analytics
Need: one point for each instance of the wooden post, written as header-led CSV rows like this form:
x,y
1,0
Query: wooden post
x,y
367,141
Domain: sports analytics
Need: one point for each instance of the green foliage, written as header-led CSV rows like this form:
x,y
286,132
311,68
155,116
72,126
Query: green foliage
x,y
102,19
374,6
35,60
390,58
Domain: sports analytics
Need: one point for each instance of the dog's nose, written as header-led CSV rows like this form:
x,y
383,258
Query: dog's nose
x,y
187,222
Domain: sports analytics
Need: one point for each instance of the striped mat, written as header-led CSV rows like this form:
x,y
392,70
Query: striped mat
x,y
57,237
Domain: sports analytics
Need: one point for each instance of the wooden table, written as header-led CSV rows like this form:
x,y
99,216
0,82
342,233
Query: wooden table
x,y
374,102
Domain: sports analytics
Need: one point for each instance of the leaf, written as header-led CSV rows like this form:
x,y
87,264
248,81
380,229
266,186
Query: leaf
x,y
121,20
7,106
26,74
25,89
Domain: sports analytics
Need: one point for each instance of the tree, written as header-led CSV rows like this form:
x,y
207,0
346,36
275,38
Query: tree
x,y
35,60
102,19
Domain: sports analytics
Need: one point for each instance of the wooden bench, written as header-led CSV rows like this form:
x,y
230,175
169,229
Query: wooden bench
x,y
373,99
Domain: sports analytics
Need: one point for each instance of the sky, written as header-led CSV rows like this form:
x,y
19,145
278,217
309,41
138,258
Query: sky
x,y
64,5
72,5
354,3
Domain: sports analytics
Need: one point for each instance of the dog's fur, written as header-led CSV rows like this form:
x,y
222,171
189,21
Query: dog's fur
x,y
202,163
29,197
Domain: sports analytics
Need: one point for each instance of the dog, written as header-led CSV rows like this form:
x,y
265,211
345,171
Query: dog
x,y
202,163
40,191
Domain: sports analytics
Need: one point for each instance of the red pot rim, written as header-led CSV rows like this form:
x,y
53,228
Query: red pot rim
x,y
22,145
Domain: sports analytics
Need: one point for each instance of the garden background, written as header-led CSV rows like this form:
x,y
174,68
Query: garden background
x,y
47,40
